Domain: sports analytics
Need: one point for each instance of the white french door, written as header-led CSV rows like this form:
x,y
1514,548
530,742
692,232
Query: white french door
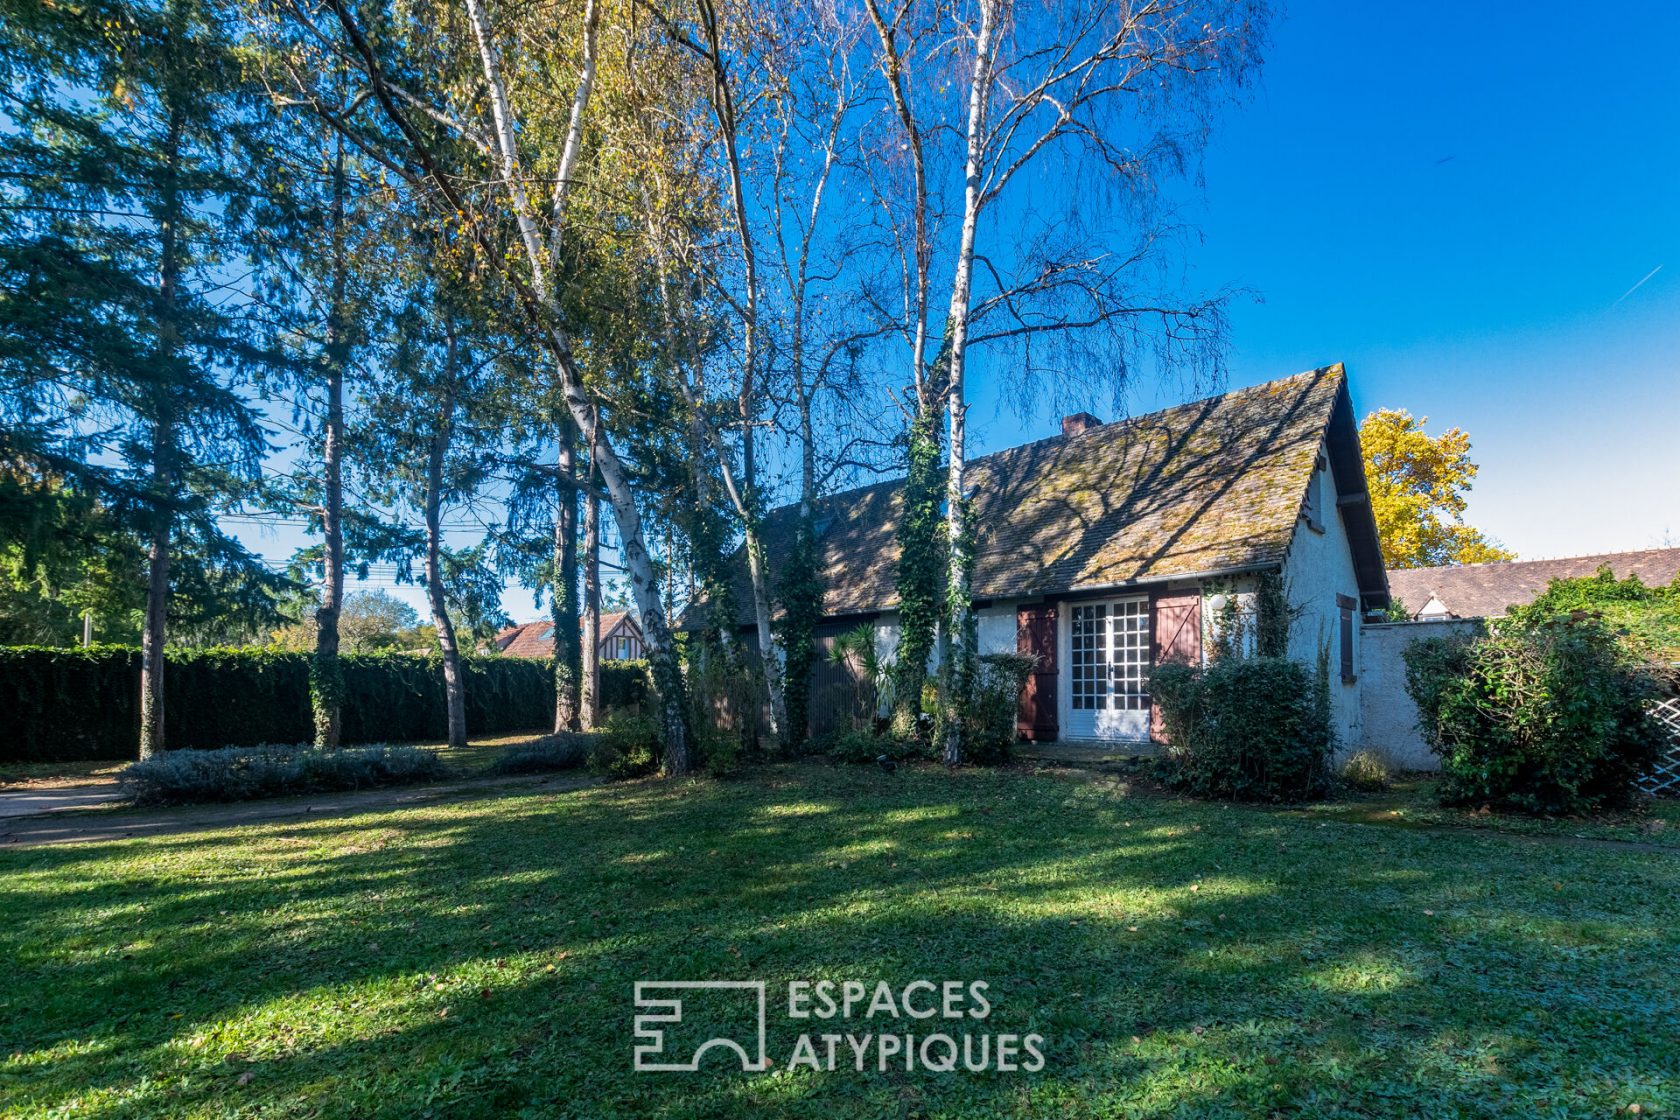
x,y
1107,655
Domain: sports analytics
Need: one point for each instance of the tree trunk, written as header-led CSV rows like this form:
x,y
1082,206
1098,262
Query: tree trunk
x,y
959,664
454,695
326,673
153,636
591,632
543,307
568,663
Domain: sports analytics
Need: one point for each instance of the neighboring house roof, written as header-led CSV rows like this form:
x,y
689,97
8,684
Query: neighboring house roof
x,y
536,639
1210,487
1486,590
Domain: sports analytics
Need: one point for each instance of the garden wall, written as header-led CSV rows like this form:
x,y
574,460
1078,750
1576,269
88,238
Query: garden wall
x,y
1388,718
64,705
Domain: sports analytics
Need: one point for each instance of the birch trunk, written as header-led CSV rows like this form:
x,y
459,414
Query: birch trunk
x,y
958,665
551,317
590,702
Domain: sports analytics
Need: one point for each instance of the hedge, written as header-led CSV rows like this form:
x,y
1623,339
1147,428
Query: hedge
x,y
64,705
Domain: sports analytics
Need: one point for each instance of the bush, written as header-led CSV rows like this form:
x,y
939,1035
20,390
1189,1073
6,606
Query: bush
x,y
562,751
1247,729
1366,771
626,747
855,746
1545,714
988,718
247,773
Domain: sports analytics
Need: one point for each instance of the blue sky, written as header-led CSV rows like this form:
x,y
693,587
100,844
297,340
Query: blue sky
x,y
1455,209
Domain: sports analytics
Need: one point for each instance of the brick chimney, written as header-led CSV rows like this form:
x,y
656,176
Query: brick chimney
x,y
1079,422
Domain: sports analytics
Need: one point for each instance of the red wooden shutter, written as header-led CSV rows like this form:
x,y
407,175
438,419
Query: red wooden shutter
x,y
1178,637
1035,635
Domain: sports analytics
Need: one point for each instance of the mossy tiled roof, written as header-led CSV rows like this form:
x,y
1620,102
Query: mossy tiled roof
x,y
1204,487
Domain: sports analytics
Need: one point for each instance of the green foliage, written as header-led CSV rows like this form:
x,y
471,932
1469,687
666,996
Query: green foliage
x,y
856,649
1545,714
564,750
1273,616
66,704
857,746
725,699
627,746
1646,618
625,686
1247,729
246,773
1366,771
800,587
921,562
987,714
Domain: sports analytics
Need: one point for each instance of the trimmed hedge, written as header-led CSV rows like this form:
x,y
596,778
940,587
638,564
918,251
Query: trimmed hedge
x,y
248,773
63,705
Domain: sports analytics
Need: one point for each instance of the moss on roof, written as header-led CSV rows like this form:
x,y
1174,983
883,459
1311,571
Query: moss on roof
x,y
1208,486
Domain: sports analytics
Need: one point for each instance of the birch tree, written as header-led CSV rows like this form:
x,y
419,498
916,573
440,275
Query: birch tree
x,y
1121,92
446,104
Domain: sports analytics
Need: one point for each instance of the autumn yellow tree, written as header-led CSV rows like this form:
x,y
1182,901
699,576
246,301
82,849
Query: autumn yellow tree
x,y
1417,483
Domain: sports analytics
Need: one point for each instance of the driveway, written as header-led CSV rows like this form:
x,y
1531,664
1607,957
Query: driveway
x,y
30,801
70,815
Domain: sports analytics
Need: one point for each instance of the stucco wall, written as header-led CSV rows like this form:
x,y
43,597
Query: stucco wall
x,y
1320,567
1388,716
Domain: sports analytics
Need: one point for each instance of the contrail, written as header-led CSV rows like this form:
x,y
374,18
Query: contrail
x,y
1637,286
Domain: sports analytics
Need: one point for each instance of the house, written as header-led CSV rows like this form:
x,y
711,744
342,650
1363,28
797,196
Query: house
x,y
621,639
1111,547
1486,590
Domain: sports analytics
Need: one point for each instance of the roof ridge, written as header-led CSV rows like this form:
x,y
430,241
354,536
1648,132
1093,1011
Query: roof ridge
x,y
1535,560
1335,369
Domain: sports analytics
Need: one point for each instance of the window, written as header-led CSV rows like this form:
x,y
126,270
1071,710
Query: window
x,y
1108,653
1315,495
1346,604
1088,649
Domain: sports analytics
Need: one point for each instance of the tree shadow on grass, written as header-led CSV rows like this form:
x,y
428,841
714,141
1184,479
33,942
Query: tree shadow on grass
x,y
478,958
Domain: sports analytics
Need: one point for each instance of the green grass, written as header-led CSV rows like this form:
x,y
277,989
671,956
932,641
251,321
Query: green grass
x,y
1413,802
476,958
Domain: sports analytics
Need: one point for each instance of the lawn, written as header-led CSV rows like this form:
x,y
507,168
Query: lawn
x,y
476,958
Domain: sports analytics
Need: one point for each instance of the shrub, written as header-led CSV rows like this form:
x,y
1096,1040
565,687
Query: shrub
x,y
988,717
1248,729
562,751
1545,714
1366,771
246,773
626,747
856,746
